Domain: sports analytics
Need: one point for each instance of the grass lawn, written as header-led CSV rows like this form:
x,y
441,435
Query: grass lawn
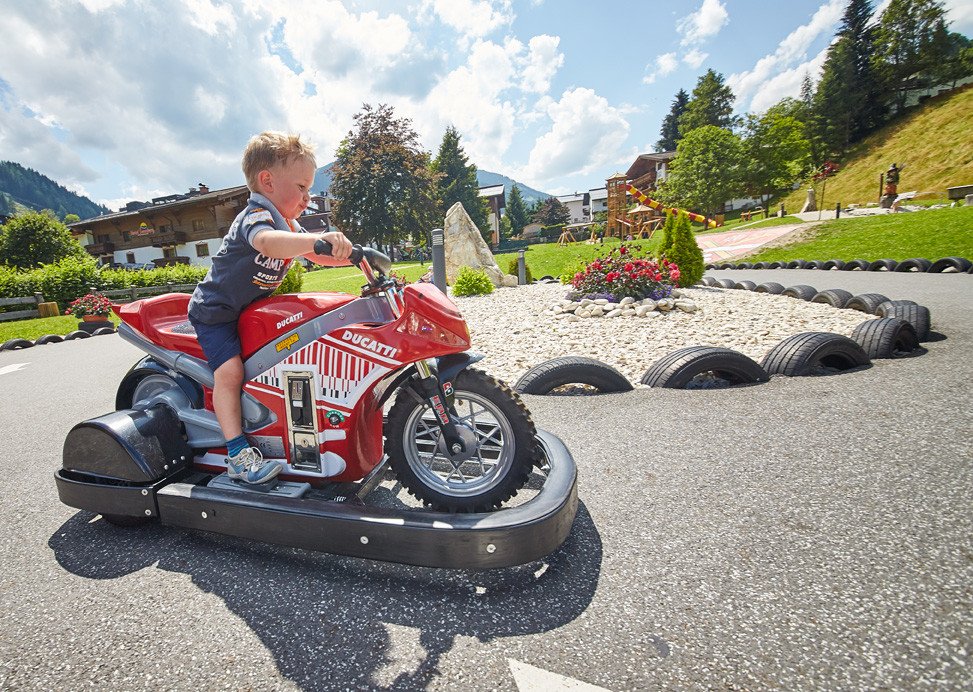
x,y
774,221
931,234
553,259
32,329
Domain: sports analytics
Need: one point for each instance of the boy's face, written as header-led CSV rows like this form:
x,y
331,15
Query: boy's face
x,y
288,186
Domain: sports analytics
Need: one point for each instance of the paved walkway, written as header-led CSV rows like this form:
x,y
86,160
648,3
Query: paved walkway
x,y
723,246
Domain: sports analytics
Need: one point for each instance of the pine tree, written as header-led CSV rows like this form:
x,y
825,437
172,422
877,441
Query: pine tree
x,y
685,253
907,53
669,136
834,101
865,97
668,229
457,182
517,211
711,104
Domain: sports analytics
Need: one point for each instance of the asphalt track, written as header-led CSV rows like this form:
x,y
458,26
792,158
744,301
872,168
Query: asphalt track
x,y
807,533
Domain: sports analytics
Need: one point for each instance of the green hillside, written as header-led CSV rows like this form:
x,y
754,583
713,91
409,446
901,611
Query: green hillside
x,y
26,188
934,143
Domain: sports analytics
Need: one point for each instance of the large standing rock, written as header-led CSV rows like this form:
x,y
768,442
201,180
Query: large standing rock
x,y
810,204
465,247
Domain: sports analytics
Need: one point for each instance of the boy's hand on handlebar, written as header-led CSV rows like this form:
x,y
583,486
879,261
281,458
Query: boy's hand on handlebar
x,y
340,245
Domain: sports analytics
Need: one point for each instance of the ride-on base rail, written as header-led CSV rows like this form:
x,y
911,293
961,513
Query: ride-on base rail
x,y
502,538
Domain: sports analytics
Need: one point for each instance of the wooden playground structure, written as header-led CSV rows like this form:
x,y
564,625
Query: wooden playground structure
x,y
642,220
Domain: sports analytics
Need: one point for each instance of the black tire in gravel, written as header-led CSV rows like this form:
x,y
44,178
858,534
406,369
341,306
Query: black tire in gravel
x,y
866,302
835,297
551,374
800,291
77,334
677,369
14,344
880,265
726,283
916,315
960,264
796,264
49,339
708,281
806,354
745,285
889,337
916,264
834,264
771,287
884,308
856,264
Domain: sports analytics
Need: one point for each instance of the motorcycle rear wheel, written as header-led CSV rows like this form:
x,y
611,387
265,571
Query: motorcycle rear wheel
x,y
499,466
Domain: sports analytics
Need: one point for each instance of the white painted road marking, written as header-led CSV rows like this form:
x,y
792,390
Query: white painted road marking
x,y
534,679
13,367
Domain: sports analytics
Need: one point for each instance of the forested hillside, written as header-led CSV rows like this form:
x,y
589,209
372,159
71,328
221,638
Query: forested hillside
x,y
24,187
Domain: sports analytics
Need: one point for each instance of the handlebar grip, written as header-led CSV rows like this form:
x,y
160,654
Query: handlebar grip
x,y
323,247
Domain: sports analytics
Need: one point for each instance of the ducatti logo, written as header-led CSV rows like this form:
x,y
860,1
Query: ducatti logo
x,y
290,320
369,344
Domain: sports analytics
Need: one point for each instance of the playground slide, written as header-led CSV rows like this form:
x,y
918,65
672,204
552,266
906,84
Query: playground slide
x,y
658,206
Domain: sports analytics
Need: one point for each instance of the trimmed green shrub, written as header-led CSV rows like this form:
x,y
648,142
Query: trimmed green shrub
x,y
685,253
512,269
294,280
567,276
667,235
472,282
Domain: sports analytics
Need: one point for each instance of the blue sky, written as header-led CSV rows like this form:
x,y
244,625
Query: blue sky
x,y
130,99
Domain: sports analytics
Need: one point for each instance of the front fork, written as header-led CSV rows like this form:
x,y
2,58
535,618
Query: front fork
x,y
436,388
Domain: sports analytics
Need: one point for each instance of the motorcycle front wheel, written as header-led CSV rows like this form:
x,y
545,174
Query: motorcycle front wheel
x,y
494,467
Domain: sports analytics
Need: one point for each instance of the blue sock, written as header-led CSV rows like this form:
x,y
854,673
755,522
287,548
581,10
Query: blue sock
x,y
236,445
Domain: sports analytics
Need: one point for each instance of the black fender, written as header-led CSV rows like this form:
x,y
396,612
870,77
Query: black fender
x,y
449,366
150,366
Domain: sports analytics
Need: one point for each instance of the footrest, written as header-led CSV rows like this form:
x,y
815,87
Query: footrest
x,y
274,488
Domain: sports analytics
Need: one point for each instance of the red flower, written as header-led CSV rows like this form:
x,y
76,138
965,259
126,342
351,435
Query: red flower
x,y
629,266
622,250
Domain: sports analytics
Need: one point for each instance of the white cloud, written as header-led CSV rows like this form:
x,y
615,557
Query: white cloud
x,y
542,62
960,14
704,22
695,58
473,18
664,64
213,19
586,132
774,68
786,83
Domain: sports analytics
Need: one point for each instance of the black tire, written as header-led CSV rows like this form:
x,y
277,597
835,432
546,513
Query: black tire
x,y
814,264
857,264
796,264
776,265
800,291
728,265
77,334
13,344
49,339
726,283
880,265
709,267
916,315
677,369
866,302
916,264
762,265
960,264
708,281
745,285
124,521
551,374
835,297
504,436
834,264
771,287
745,265
889,337
883,308
101,331
802,354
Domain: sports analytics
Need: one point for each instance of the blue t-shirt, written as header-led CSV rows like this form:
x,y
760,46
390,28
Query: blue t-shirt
x,y
240,274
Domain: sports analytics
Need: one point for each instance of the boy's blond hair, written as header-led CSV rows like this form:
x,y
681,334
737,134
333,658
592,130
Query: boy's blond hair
x,y
270,149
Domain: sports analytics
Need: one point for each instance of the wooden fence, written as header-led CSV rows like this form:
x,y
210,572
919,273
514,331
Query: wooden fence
x,y
120,295
21,314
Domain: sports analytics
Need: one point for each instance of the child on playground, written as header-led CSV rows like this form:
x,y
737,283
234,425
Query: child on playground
x,y
252,261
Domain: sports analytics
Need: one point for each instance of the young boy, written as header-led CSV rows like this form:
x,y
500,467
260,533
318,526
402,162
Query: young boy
x,y
280,171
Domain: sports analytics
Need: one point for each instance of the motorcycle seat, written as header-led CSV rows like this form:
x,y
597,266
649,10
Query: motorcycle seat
x,y
164,320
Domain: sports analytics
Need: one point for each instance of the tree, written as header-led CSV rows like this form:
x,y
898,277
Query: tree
x,y
865,96
517,211
711,104
457,180
706,170
552,212
669,136
685,252
776,152
907,53
834,101
33,238
668,228
383,185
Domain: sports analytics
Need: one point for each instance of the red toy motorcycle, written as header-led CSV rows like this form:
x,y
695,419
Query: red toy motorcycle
x,y
319,370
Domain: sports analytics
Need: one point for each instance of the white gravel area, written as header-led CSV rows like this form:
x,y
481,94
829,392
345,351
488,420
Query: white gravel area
x,y
506,326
